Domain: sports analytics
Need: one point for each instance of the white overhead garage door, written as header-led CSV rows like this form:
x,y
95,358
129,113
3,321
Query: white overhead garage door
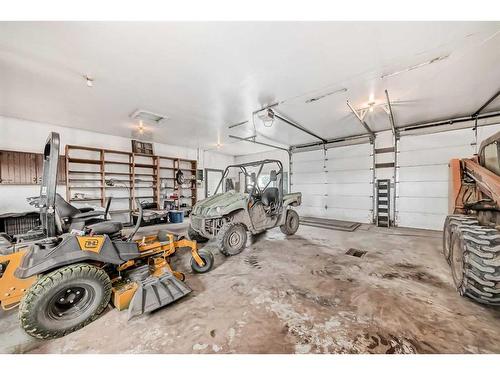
x,y
336,183
422,200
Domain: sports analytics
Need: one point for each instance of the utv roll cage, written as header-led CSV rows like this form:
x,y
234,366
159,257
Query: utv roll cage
x,y
275,176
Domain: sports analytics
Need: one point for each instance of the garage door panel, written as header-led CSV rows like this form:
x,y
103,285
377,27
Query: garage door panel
x,y
310,178
348,202
314,200
424,173
430,157
343,177
350,151
423,221
312,211
423,189
360,216
340,180
428,205
317,155
357,163
315,189
461,137
356,189
308,166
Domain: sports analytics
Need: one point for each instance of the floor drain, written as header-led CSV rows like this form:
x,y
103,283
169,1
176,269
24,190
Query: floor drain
x,y
355,252
253,261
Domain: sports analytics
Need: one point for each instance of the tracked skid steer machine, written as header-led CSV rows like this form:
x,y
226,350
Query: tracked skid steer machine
x,y
471,237
64,276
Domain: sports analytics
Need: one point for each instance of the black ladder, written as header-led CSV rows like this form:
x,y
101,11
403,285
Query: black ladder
x,y
383,193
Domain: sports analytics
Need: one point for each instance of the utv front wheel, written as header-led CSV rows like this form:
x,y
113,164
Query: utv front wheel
x,y
291,223
64,301
232,239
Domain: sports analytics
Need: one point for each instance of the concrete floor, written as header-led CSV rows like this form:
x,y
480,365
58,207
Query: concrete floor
x,y
300,295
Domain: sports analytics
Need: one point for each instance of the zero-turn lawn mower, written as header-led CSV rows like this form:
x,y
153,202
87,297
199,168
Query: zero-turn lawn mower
x,y
63,281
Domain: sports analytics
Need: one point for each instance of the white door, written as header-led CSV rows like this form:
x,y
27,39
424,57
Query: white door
x,y
212,179
422,200
336,183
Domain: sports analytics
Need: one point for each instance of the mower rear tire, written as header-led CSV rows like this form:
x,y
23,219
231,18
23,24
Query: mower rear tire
x,y
450,224
208,259
195,236
232,239
475,262
291,224
64,301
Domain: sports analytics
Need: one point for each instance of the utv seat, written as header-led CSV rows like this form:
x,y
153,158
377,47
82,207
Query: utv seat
x,y
106,227
270,196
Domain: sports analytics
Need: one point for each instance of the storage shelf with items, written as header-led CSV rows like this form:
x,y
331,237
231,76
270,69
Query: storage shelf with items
x,y
94,175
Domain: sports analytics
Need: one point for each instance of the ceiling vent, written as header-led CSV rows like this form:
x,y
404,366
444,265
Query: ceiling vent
x,y
149,117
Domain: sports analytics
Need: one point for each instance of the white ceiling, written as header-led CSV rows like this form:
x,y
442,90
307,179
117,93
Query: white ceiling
x,y
208,75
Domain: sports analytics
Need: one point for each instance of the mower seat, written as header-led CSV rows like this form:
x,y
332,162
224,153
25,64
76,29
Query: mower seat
x,y
270,196
106,227
74,218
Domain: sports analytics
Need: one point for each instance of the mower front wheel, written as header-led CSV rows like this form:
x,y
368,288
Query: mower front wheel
x,y
208,260
64,301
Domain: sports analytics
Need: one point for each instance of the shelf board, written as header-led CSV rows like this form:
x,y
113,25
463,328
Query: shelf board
x,y
118,173
83,161
83,172
84,179
85,200
117,162
136,165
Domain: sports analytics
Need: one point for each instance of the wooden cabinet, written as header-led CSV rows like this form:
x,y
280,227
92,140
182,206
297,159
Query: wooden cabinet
x,y
25,168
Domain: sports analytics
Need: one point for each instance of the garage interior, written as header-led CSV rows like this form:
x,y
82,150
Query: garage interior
x,y
363,117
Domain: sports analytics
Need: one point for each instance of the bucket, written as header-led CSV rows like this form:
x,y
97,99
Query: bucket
x,y
176,216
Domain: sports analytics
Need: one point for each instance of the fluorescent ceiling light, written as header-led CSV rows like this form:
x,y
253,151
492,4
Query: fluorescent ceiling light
x,y
413,67
148,117
315,99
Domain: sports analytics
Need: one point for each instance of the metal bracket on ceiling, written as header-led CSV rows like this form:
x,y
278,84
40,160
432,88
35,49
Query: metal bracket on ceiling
x,y
252,139
360,115
391,116
272,113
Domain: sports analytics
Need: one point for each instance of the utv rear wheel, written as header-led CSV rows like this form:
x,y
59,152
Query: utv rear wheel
x,y
64,301
475,262
450,224
232,239
291,223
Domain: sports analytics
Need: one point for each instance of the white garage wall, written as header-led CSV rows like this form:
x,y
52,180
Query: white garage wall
x,y
422,200
29,136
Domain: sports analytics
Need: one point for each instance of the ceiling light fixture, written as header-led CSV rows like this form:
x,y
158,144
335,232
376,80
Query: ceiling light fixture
x,y
267,117
141,127
89,80
149,117
315,99
413,67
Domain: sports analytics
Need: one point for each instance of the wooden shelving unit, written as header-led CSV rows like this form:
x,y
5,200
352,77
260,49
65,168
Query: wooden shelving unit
x,y
102,173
